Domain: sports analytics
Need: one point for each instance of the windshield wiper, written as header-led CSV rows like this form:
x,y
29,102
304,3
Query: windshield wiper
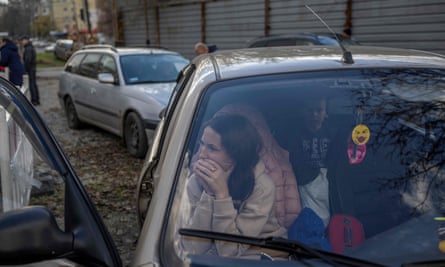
x,y
433,263
294,248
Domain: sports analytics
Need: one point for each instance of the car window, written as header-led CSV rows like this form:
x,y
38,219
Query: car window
x,y
88,66
324,40
151,68
107,65
41,197
260,43
361,143
74,63
283,42
28,176
64,44
304,41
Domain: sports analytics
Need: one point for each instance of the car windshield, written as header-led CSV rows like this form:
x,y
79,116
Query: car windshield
x,y
349,162
151,68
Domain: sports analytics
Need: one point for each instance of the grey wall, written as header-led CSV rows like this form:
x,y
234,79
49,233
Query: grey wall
x,y
180,27
134,22
407,24
229,24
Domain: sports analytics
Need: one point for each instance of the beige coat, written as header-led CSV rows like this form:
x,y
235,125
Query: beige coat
x,y
255,218
276,160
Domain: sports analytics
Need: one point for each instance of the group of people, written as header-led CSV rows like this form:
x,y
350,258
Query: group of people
x,y
20,64
230,190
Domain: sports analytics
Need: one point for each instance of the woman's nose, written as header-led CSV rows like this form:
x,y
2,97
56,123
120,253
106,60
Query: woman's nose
x,y
203,152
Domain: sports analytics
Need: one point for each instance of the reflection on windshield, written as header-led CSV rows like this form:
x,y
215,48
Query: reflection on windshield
x,y
152,68
355,164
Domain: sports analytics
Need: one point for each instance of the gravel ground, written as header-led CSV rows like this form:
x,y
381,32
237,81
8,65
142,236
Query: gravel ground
x,y
103,165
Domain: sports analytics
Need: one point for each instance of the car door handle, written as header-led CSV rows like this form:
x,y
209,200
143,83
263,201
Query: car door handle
x,y
93,90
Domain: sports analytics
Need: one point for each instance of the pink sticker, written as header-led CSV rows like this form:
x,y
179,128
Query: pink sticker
x,y
356,153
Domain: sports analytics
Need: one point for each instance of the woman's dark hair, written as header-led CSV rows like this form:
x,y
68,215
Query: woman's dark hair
x,y
242,143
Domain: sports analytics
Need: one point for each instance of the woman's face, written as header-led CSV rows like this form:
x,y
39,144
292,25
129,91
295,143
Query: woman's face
x,y
211,148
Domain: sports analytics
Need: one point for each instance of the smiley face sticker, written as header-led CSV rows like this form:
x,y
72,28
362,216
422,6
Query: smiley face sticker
x,y
360,134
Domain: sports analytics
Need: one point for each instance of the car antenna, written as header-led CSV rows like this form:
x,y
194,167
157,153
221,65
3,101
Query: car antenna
x,y
347,56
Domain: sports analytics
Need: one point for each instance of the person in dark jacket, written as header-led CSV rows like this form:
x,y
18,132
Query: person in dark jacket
x,y
10,58
29,59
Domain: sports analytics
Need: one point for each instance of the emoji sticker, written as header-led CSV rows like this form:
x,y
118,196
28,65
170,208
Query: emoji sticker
x,y
361,134
356,153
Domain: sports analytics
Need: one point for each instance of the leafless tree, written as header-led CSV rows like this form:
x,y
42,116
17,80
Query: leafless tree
x,y
18,16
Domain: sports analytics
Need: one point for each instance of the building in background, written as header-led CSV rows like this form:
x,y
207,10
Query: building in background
x,y
71,15
43,8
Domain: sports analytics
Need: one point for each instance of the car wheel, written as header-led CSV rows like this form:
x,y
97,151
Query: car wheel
x,y
71,114
134,134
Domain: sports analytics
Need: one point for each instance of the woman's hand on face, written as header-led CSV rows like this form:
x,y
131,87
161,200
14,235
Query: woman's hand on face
x,y
214,177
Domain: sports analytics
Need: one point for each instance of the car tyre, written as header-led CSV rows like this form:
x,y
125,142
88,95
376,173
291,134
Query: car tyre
x,y
71,114
134,135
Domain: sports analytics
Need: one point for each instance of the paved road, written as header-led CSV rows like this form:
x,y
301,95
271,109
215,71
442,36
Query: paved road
x,y
52,72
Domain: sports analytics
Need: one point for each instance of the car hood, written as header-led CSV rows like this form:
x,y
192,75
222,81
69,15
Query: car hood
x,y
160,92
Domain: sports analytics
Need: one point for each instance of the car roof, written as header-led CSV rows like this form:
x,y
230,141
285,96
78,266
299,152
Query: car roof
x,y
300,35
127,50
260,61
143,50
64,41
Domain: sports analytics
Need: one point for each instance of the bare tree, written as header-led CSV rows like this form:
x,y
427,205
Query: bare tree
x,y
18,17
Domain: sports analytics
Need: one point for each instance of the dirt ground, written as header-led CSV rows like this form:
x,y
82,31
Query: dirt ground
x,y
102,163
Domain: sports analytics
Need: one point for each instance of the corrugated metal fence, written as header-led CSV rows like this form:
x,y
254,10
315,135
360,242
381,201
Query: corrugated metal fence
x,y
229,24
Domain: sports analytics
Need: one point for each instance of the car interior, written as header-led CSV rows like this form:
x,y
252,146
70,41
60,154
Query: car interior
x,y
369,189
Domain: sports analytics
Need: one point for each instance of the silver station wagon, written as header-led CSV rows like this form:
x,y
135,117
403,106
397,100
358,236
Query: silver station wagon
x,y
121,90
297,156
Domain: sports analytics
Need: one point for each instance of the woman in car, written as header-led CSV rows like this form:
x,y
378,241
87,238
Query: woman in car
x,y
229,190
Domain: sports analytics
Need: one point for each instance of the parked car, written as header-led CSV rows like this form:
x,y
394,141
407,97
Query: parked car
x,y
383,173
39,43
61,48
300,39
50,48
121,90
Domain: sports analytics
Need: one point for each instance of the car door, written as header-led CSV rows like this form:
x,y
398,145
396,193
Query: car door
x,y
108,96
86,99
46,217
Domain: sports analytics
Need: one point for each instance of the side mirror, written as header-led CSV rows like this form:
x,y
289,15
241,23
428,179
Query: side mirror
x,y
30,235
106,78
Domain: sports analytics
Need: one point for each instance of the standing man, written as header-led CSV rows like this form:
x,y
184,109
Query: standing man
x,y
10,58
201,48
29,59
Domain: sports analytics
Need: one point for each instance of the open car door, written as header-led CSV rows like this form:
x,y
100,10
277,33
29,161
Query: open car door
x,y
46,214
